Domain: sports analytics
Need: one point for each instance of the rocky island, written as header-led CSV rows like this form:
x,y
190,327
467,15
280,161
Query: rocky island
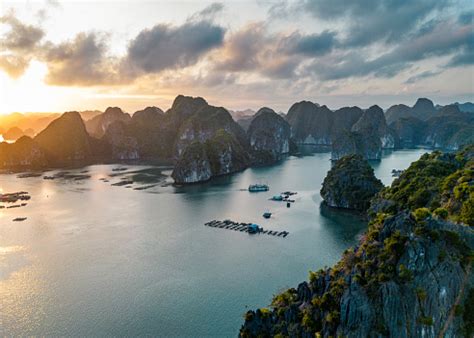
x,y
410,275
350,184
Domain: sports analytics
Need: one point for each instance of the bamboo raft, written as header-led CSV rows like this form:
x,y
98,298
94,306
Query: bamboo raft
x,y
243,227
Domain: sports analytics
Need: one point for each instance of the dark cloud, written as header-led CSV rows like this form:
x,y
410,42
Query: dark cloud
x,y
311,45
164,46
370,21
423,75
82,61
444,39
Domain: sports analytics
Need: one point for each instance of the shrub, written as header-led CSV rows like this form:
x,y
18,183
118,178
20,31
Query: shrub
x,y
421,214
441,213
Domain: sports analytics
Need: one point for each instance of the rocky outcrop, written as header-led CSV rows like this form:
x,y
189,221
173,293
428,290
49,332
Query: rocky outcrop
x,y
373,121
410,275
269,133
344,119
422,110
310,123
65,140
350,184
451,131
200,161
24,153
97,126
203,125
123,145
409,131
368,145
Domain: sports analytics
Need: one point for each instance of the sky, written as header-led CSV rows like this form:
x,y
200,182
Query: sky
x,y
77,55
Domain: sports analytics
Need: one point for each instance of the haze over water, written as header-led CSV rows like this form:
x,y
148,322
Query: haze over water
x,y
96,259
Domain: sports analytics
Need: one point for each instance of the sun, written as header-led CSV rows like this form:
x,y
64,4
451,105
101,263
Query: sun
x,y
29,93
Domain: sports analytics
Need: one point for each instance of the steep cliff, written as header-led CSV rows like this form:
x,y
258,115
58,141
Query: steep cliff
x,y
24,153
65,139
203,124
366,144
310,123
97,126
409,131
269,133
219,155
422,110
350,184
410,275
123,144
373,121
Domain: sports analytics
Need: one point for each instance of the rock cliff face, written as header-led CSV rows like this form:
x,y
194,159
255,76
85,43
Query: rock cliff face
x,y
344,119
123,145
24,153
200,161
203,125
409,130
422,110
410,276
97,126
310,123
373,121
65,139
449,131
269,133
368,145
150,128
350,184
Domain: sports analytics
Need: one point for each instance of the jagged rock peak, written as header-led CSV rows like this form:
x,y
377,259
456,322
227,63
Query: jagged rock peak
x,y
186,102
423,104
113,110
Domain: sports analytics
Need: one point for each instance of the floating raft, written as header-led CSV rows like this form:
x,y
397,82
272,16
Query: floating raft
x,y
243,227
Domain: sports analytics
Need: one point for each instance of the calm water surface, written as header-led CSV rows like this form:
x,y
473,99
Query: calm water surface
x,y
96,259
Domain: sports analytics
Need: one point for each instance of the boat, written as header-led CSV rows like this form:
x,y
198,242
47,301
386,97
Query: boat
x,y
258,187
267,214
277,198
253,228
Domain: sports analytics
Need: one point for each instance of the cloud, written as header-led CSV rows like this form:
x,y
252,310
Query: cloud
x,y
275,55
208,13
370,21
20,37
444,39
165,46
82,61
18,45
312,44
421,76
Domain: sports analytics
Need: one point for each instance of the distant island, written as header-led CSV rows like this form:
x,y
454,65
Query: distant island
x,y
204,141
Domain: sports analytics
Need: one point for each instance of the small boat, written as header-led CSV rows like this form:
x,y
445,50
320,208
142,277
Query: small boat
x,y
253,228
267,214
277,198
258,187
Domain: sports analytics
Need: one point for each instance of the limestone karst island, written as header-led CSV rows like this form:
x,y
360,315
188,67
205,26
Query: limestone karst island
x,y
286,168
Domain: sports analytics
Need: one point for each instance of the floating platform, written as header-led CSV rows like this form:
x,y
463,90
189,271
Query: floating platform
x,y
243,227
